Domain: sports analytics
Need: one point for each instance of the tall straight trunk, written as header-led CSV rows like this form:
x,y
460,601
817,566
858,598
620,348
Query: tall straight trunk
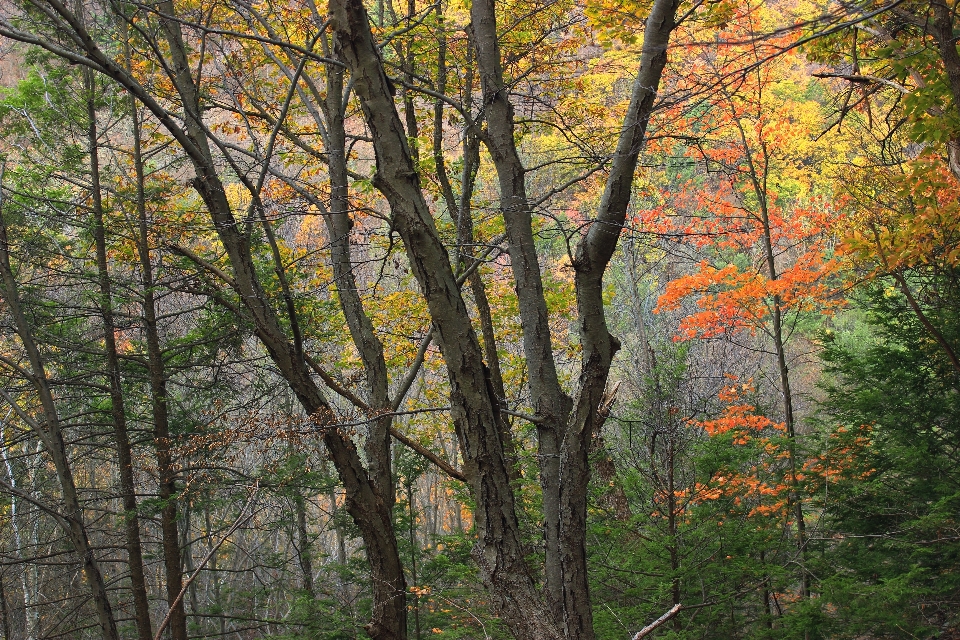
x,y
185,528
157,378
4,610
758,180
340,536
303,544
674,512
20,623
787,395
767,603
414,551
50,433
131,521
214,568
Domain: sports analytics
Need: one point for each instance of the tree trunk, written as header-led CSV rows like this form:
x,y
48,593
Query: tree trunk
x,y
303,544
214,568
4,610
758,177
156,372
499,551
592,256
51,435
339,225
550,404
19,623
131,521
367,507
461,211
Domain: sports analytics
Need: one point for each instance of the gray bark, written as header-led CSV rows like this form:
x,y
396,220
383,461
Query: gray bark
x,y
590,261
550,404
474,406
499,550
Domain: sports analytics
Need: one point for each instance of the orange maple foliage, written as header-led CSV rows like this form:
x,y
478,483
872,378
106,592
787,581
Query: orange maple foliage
x,y
734,297
755,215
764,487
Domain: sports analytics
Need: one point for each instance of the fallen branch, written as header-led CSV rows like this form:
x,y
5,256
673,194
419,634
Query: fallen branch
x,y
236,525
442,464
647,630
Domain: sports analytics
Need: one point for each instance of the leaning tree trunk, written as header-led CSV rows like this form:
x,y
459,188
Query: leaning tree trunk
x,y
365,504
50,433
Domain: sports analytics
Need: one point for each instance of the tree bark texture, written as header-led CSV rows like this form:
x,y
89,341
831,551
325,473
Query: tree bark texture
x,y
550,404
473,405
592,256
474,408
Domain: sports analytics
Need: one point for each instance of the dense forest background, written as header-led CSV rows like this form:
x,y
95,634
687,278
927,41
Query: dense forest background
x,y
519,319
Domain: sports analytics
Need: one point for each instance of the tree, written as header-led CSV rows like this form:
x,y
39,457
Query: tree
x,y
905,66
476,412
758,223
888,485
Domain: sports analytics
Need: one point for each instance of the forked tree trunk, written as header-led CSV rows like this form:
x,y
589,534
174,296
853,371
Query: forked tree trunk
x,y
474,409
339,226
499,551
368,508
